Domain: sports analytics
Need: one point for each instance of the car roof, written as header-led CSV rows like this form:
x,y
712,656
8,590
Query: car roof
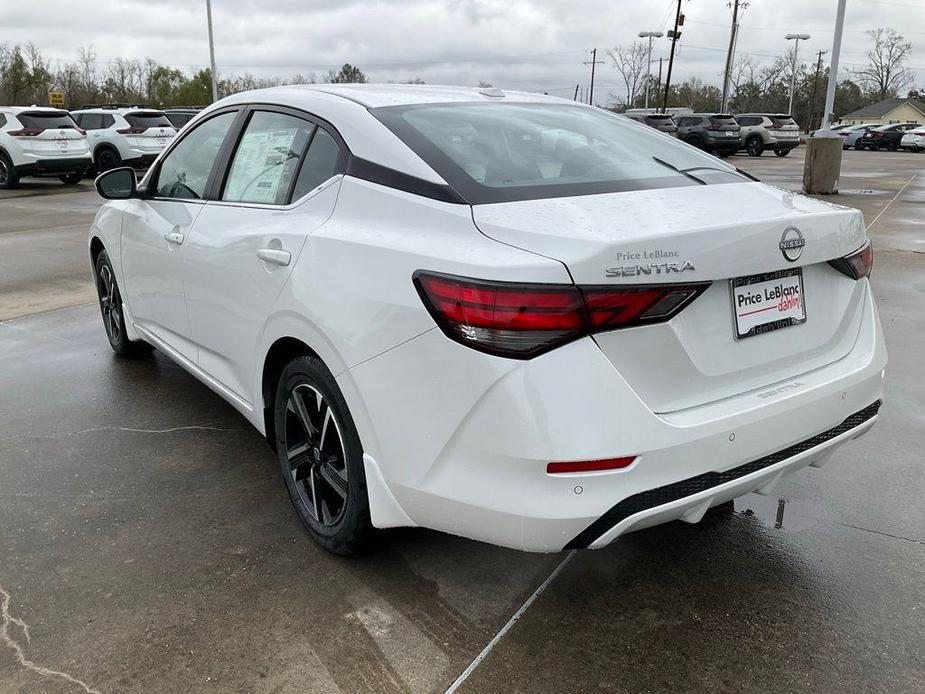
x,y
348,106
377,95
19,109
120,111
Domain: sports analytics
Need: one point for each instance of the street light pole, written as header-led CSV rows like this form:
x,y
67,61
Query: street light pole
x,y
649,35
833,67
212,52
793,73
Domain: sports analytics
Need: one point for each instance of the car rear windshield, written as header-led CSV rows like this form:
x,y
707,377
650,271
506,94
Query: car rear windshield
x,y
722,119
779,121
43,120
660,119
147,119
500,152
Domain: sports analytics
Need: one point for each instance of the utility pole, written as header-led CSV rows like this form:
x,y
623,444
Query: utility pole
x,y
212,52
575,98
674,36
594,62
833,66
660,72
649,35
796,38
812,101
733,35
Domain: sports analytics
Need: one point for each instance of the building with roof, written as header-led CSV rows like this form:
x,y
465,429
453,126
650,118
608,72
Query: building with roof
x,y
888,111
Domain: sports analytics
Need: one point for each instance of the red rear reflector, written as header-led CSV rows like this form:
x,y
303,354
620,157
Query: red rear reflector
x,y
524,320
590,465
26,132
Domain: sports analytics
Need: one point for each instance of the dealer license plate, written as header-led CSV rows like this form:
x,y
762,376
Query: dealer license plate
x,y
762,303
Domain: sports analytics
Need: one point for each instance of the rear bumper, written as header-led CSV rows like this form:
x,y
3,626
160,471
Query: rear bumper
x,y
49,167
460,440
717,145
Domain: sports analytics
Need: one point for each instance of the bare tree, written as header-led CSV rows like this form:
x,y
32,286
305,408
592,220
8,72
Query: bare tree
x,y
631,62
886,74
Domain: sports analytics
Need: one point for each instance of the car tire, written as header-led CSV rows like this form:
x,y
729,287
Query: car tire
x,y
106,158
781,152
321,457
8,177
695,141
754,147
725,154
71,179
111,309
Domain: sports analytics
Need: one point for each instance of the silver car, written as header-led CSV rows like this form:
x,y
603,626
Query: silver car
x,y
852,133
761,131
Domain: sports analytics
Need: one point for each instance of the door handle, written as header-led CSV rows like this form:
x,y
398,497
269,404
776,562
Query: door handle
x,y
173,237
275,256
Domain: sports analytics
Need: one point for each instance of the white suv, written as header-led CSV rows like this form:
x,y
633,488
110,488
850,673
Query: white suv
x,y
40,141
130,136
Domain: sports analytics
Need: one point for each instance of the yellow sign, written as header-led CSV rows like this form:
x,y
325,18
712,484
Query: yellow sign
x,y
56,99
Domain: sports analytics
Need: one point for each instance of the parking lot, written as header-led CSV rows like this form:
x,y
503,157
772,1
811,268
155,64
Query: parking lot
x,y
147,543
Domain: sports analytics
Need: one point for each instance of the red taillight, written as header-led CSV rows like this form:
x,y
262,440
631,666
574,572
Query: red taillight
x,y
81,131
590,465
857,265
26,132
843,133
524,320
131,131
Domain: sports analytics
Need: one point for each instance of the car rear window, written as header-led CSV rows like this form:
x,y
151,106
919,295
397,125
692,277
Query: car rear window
x,y
148,119
722,119
660,119
779,121
46,119
499,152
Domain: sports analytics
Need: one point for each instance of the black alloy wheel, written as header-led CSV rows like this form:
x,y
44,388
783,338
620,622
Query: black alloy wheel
x,y
320,457
110,299
754,146
8,177
107,159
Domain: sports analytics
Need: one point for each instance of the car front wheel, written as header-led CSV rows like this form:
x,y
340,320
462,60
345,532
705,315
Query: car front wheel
x,y
782,152
320,457
111,309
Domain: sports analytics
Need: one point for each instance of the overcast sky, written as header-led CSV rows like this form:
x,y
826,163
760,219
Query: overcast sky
x,y
536,45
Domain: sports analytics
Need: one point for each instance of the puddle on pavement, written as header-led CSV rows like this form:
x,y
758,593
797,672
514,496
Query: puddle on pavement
x,y
775,512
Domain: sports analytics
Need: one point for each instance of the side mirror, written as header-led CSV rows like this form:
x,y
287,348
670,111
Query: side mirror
x,y
117,184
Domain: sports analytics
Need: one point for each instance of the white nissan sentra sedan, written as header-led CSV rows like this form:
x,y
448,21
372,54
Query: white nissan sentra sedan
x,y
501,315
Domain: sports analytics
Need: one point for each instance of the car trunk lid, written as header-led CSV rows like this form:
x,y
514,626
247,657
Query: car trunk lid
x,y
709,233
50,134
149,130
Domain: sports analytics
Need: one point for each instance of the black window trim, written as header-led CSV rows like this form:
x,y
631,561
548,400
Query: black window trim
x,y
151,184
230,146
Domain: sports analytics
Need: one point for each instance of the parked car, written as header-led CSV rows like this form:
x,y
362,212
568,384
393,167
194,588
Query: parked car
x,y
850,134
179,117
717,133
41,142
534,345
775,131
660,121
130,136
914,139
886,137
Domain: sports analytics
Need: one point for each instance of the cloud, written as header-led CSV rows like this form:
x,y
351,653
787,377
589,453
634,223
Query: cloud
x,y
524,44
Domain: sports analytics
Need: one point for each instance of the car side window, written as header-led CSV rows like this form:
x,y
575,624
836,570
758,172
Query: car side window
x,y
108,122
184,172
267,158
2,120
91,121
319,165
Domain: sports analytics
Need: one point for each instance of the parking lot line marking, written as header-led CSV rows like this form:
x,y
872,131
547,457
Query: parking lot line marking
x,y
895,197
510,623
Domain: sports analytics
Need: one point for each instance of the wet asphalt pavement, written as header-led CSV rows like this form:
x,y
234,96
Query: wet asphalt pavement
x,y
147,543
